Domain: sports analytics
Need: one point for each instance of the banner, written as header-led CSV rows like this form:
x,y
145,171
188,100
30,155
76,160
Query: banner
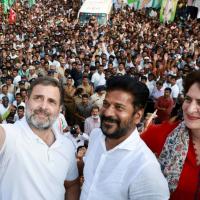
x,y
168,10
156,3
139,4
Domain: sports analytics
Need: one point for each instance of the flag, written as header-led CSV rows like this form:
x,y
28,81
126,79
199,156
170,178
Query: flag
x,y
11,2
5,5
31,3
12,16
168,11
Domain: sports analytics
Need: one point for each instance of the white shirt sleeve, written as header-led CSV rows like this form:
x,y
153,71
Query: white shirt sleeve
x,y
175,92
9,145
72,173
149,184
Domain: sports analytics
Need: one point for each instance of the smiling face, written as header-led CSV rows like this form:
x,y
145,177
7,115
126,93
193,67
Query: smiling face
x,y
42,107
118,117
191,107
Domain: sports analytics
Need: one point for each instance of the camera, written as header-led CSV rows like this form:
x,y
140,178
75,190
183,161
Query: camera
x,y
73,129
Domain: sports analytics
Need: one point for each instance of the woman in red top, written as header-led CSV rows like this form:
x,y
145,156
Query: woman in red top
x,y
177,145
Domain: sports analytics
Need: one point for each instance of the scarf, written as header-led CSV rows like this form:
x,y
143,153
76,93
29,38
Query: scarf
x,y
173,155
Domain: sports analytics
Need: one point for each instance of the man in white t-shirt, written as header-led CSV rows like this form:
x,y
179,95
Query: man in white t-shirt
x,y
5,108
36,161
4,92
118,164
93,121
174,88
77,137
98,78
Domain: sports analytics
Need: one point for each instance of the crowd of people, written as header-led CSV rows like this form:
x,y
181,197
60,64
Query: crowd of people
x,y
47,41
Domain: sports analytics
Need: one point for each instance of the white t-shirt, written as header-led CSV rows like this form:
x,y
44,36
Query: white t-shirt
x,y
175,91
30,169
21,104
77,141
98,79
128,171
179,83
9,95
16,80
151,85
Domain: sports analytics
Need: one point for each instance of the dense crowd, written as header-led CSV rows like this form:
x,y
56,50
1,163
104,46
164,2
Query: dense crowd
x,y
47,40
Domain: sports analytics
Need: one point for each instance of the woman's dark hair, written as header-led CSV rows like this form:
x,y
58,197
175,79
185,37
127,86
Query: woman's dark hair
x,y
190,79
137,89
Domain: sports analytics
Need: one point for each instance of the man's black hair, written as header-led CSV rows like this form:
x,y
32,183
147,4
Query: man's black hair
x,y
138,90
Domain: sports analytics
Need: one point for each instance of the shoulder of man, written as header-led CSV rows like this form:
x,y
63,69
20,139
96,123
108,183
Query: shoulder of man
x,y
95,133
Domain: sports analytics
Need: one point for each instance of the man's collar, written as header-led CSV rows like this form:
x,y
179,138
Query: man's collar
x,y
129,143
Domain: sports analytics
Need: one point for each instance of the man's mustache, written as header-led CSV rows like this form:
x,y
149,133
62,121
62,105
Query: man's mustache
x,y
109,119
40,110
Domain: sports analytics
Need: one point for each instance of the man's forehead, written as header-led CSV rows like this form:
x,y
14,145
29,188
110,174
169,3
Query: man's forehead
x,y
46,87
45,90
124,95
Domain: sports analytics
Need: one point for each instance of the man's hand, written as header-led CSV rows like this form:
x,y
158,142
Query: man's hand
x,y
72,189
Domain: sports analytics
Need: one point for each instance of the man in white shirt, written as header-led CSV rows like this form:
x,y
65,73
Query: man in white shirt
x,y
93,121
77,137
5,109
16,77
175,88
4,92
18,101
42,159
98,78
158,91
98,97
151,83
118,164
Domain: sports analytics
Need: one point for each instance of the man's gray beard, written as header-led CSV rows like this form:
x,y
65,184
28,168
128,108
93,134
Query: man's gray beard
x,y
37,124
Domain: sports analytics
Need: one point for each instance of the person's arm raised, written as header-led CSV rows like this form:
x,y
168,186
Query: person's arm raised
x,y
72,189
2,137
